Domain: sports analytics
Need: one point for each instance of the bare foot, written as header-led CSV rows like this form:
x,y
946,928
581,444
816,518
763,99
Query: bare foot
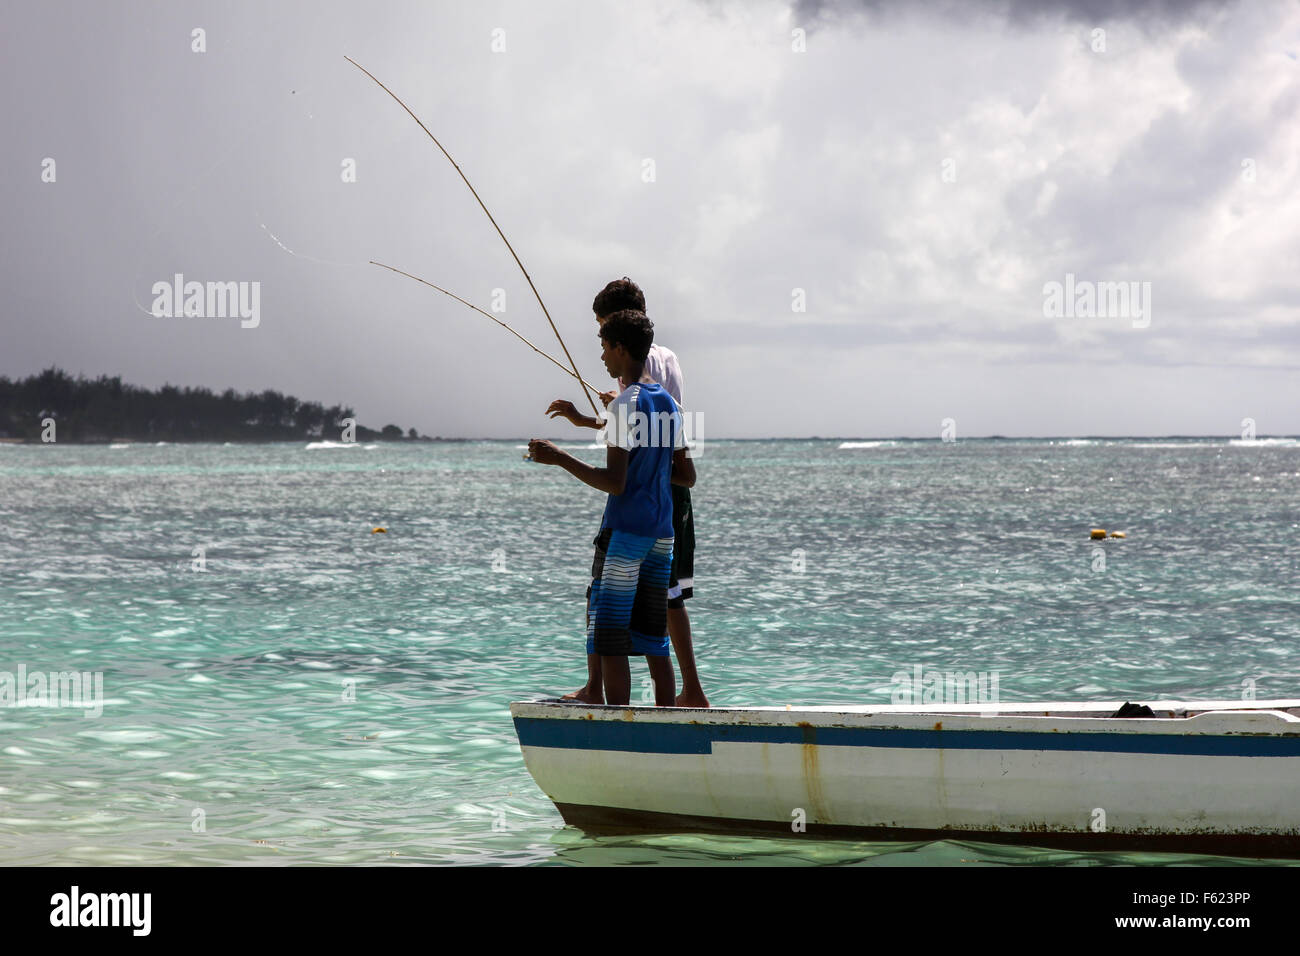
x,y
691,698
587,696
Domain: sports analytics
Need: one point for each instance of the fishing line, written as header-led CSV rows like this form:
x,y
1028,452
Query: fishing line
x,y
276,240
240,141
303,255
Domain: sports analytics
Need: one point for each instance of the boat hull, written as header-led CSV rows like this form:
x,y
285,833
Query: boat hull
x,y
1223,778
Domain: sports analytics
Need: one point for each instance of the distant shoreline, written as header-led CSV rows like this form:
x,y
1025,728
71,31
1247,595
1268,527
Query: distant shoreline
x,y
56,407
229,441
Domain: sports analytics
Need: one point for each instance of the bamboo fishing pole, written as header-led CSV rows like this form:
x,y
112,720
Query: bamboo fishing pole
x,y
503,325
537,294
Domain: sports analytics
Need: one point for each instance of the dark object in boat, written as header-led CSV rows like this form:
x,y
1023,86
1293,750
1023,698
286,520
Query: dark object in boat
x,y
1134,710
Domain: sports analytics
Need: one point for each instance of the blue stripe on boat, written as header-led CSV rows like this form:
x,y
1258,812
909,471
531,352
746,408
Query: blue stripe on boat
x,y
656,738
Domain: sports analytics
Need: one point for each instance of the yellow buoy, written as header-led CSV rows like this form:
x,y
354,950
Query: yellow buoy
x,y
1098,533
379,531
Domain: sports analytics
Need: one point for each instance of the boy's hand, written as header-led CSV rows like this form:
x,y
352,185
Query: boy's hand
x,y
607,397
543,452
563,408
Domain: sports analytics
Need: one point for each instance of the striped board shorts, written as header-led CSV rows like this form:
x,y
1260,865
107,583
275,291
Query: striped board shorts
x,y
627,603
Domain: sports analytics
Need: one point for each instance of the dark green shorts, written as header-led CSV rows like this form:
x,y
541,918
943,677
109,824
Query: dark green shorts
x,y
681,579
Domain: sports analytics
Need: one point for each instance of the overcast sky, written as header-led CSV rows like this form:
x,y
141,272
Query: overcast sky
x,y
920,176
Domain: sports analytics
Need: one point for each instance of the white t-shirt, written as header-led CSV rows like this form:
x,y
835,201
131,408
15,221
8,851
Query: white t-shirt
x,y
662,365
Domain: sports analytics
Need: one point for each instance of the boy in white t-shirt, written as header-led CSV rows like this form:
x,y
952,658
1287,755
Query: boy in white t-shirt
x,y
661,365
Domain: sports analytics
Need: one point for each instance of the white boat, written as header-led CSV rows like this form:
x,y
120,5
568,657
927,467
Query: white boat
x,y
1217,777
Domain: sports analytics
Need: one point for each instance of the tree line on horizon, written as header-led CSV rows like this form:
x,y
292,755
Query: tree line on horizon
x,y
106,409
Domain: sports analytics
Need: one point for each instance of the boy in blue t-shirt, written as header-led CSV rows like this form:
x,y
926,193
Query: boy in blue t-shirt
x,y
627,606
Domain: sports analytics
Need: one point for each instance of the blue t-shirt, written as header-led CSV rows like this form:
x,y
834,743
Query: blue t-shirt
x,y
646,421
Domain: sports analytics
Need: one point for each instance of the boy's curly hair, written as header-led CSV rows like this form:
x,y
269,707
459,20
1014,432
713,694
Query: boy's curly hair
x,y
619,295
630,329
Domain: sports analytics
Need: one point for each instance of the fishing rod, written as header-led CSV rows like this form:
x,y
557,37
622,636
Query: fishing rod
x,y
503,325
482,206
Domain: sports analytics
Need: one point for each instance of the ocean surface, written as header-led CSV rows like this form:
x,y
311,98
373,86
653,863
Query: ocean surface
x,y
235,601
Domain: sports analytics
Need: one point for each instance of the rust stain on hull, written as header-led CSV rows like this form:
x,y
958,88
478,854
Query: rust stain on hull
x,y
812,773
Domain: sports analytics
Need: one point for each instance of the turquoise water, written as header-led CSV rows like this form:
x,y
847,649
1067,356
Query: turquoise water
x,y
226,736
